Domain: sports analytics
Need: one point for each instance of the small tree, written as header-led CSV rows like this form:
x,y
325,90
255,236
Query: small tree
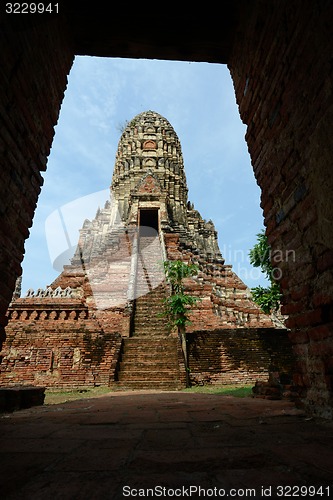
x,y
178,304
260,256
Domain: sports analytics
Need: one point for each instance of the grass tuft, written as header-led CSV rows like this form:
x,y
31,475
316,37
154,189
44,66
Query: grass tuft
x,y
56,396
239,391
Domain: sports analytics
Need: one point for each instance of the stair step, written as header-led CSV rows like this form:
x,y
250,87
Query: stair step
x,y
154,340
153,327
144,318
132,385
149,323
154,357
153,353
152,360
149,345
149,312
143,307
145,322
151,377
154,294
148,374
147,367
147,333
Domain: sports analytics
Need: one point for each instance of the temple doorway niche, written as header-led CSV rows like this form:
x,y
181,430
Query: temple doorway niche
x,y
148,221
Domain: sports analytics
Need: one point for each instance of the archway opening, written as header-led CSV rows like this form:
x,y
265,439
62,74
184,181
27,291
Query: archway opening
x,y
276,126
149,225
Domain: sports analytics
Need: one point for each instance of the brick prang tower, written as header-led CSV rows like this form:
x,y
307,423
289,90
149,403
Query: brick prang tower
x,y
99,322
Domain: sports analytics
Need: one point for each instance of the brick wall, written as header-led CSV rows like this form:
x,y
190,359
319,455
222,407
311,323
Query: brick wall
x,y
66,347
35,60
282,71
57,346
241,356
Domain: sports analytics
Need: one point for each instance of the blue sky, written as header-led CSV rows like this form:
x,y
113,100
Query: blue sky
x,y
198,100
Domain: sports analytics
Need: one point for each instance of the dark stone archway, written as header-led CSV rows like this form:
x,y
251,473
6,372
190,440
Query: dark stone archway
x,y
149,218
280,58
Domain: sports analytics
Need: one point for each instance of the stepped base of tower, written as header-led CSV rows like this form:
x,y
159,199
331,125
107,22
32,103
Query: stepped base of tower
x,y
100,323
63,340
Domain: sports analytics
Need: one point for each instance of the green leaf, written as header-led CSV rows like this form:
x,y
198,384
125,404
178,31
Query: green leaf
x,y
260,256
267,298
177,305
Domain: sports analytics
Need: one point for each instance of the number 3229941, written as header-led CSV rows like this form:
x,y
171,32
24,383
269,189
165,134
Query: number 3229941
x,y
32,8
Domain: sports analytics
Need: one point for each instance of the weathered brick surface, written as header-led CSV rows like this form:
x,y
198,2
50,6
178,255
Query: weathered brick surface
x,y
151,362
35,61
225,301
241,356
281,69
57,345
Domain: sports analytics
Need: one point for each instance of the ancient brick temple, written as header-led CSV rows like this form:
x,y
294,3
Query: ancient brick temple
x,y
280,59
99,322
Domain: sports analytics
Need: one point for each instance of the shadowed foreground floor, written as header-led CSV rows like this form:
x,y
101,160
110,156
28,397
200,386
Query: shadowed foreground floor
x,y
134,444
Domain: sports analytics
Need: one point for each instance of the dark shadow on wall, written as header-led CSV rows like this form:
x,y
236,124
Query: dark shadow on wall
x,y
239,355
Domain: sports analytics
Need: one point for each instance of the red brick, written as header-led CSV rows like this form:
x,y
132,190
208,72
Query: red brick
x,y
322,349
292,307
320,332
299,337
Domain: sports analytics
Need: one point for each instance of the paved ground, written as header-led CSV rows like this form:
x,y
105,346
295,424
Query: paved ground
x,y
127,445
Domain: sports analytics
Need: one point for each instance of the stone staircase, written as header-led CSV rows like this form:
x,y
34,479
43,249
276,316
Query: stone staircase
x,y
150,363
150,290
150,272
150,357
147,319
